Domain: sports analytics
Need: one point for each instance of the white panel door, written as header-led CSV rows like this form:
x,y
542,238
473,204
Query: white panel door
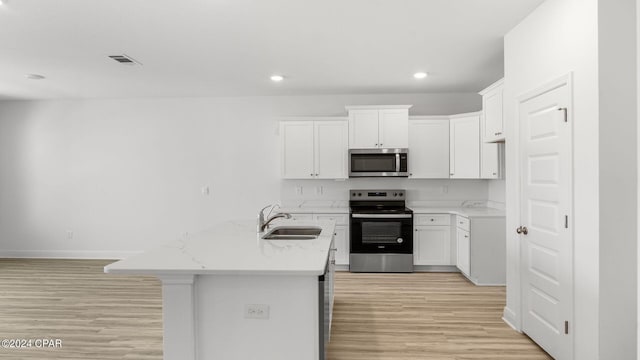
x,y
331,148
393,125
489,163
432,245
464,147
429,149
463,251
546,251
363,129
297,149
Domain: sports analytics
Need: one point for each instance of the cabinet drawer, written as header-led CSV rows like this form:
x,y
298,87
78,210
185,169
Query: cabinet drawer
x,y
340,219
432,219
462,222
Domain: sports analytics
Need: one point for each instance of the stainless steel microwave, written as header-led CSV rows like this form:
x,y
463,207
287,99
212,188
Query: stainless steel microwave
x,y
378,162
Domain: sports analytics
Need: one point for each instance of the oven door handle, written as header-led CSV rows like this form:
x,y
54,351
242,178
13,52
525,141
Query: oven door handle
x,y
381,216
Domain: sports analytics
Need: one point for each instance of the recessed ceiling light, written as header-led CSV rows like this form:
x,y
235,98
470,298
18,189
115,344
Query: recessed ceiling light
x,y
35,76
277,78
420,75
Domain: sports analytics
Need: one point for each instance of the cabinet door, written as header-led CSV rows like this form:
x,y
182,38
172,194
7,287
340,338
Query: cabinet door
x,y
464,147
463,248
493,112
297,149
432,245
429,149
331,149
363,129
341,238
393,125
489,164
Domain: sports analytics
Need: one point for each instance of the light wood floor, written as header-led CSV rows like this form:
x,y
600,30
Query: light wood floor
x,y
386,317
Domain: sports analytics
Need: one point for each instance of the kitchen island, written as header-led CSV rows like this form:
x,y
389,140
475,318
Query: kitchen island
x,y
229,294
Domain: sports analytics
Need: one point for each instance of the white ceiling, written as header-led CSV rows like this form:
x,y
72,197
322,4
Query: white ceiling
x,y
231,47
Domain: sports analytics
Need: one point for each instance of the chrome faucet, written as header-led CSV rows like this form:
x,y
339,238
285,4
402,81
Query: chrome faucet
x,y
262,223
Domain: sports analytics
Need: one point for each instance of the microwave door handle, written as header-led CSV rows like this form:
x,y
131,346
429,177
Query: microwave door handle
x,y
381,216
397,162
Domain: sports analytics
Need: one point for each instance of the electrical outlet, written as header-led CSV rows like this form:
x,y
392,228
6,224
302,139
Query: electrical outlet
x,y
205,190
256,311
318,190
299,190
69,234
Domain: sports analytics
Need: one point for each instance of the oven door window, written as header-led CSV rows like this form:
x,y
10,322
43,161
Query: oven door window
x,y
377,235
386,232
373,162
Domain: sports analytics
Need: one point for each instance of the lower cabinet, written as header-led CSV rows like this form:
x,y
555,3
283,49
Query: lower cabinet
x,y
340,236
463,251
432,239
432,245
481,249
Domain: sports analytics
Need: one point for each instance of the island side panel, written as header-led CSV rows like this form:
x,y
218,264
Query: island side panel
x,y
291,331
178,316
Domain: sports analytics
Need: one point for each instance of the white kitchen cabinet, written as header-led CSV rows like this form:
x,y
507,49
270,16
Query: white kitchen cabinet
x,y
429,148
464,146
363,129
432,245
341,235
373,127
492,109
314,149
463,255
341,238
393,128
489,161
481,249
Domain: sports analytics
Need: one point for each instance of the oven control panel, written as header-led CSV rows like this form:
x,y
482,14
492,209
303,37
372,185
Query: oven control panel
x,y
377,195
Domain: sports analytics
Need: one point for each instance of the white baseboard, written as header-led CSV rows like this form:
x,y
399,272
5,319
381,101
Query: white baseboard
x,y
509,317
67,254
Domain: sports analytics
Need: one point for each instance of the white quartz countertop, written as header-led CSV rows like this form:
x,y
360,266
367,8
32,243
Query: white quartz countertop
x,y
234,248
464,211
314,210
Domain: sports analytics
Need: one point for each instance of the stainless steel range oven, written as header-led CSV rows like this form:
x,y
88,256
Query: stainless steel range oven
x,y
381,232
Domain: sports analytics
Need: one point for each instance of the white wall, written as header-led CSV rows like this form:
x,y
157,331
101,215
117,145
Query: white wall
x,y
559,37
618,178
125,175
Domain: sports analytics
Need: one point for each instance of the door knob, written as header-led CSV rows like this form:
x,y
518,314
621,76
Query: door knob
x,y
522,230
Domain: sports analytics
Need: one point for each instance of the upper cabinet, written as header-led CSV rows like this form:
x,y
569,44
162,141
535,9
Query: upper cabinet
x,y
429,148
464,146
372,127
314,149
492,110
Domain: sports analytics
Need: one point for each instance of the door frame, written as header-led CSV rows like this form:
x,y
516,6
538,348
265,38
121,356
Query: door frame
x,y
565,80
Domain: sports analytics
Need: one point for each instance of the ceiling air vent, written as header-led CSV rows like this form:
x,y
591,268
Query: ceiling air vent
x,y
124,59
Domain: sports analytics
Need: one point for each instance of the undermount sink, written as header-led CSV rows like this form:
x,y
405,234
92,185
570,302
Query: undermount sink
x,y
293,233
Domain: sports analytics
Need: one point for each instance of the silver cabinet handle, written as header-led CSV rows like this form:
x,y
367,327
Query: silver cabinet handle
x,y
522,230
452,174
498,133
380,144
316,174
433,219
466,236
